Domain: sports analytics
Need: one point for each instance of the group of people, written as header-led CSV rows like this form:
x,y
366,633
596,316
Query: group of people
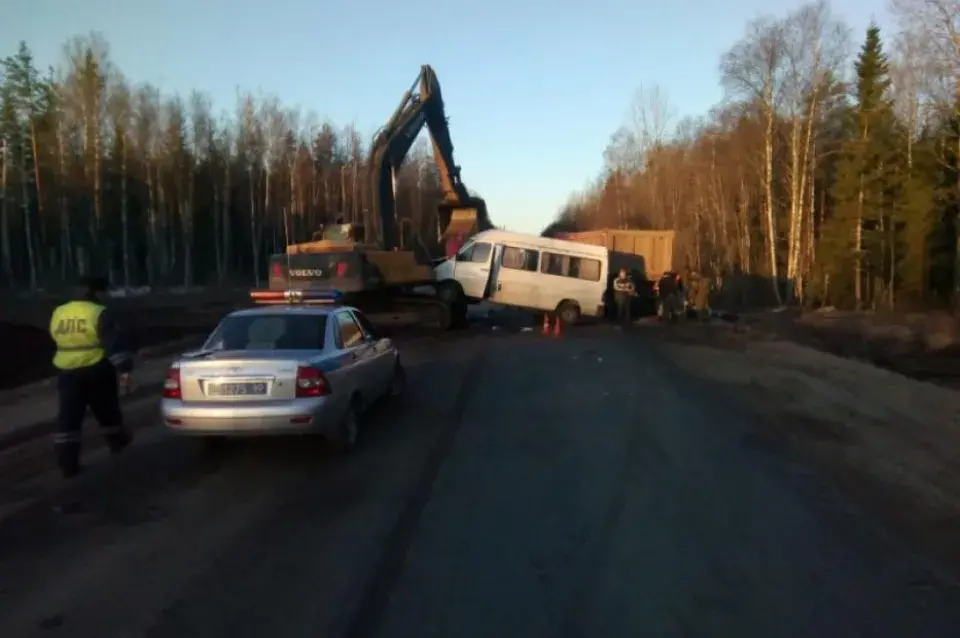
x,y
672,296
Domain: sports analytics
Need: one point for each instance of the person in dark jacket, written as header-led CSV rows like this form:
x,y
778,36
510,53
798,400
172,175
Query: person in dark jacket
x,y
91,352
669,295
623,293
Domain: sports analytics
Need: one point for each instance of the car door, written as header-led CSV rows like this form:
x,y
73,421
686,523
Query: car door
x,y
355,355
382,353
517,277
473,268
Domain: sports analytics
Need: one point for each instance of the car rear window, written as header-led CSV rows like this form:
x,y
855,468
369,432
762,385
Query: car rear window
x,y
269,332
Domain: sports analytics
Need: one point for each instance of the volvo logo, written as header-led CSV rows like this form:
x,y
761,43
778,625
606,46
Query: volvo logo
x,y
306,272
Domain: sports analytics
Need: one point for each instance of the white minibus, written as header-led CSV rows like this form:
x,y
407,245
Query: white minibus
x,y
527,272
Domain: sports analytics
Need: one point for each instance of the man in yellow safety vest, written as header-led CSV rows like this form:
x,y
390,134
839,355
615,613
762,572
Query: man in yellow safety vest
x,y
91,351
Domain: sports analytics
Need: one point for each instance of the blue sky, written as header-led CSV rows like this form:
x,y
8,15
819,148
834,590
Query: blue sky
x,y
533,88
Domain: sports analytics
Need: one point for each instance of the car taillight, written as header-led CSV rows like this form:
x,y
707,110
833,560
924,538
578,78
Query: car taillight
x,y
171,384
276,270
311,383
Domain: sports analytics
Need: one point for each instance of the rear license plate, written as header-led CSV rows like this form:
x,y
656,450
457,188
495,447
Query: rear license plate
x,y
236,389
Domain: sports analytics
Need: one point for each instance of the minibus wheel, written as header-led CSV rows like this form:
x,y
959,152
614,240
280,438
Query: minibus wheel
x,y
450,292
569,312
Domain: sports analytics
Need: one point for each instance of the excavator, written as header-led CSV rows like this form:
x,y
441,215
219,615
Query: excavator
x,y
387,272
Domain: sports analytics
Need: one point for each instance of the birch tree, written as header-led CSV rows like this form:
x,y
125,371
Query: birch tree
x,y
754,69
816,45
933,29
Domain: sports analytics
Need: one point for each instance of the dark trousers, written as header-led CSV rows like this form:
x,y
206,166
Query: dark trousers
x,y
94,387
622,300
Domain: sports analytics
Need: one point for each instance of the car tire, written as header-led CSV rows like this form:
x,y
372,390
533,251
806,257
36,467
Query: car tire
x,y
348,434
569,313
450,292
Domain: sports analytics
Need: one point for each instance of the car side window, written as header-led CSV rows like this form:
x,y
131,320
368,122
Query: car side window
x,y
350,332
365,324
520,258
481,253
465,252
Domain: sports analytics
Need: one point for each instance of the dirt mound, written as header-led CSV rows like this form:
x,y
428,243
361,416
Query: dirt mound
x,y
922,346
891,442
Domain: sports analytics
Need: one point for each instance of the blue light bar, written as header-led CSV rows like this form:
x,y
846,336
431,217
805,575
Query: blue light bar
x,y
332,297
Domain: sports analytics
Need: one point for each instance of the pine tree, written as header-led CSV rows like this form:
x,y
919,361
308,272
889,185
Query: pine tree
x,y
867,187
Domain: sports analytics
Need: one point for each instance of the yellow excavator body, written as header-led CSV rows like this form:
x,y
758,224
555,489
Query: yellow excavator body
x,y
397,267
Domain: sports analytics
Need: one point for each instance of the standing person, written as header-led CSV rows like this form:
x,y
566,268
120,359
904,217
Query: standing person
x,y
666,292
680,299
701,296
623,292
91,351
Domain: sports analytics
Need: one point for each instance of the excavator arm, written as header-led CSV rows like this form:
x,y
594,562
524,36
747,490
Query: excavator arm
x,y
422,105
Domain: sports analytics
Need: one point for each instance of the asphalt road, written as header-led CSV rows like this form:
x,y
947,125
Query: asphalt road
x,y
527,487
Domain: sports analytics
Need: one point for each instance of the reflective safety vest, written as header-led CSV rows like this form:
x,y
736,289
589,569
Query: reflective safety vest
x,y
73,327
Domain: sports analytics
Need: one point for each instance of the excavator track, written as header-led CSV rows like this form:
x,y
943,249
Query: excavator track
x,y
432,314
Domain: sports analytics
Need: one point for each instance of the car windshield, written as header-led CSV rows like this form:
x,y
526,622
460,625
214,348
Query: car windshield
x,y
280,331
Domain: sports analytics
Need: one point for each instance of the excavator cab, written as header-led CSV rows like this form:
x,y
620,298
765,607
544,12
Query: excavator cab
x,y
340,233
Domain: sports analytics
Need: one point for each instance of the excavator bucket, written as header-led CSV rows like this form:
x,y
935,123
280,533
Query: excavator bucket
x,y
461,223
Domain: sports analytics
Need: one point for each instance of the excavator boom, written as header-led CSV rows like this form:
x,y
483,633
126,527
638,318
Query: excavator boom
x,y
422,105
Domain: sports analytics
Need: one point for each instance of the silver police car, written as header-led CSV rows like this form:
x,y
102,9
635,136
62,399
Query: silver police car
x,y
299,363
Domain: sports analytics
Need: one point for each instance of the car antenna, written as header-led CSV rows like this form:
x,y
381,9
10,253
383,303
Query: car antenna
x,y
286,240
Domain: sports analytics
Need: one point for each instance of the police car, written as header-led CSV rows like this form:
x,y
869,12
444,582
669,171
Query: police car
x,y
298,362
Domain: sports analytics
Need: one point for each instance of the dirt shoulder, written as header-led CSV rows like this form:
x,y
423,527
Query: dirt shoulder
x,y
151,319
891,442
923,346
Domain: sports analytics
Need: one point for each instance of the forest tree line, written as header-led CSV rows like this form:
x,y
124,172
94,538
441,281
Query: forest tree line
x,y
831,166
99,175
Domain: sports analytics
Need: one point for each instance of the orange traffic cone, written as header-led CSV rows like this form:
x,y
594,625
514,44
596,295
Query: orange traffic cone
x,y
556,328
546,324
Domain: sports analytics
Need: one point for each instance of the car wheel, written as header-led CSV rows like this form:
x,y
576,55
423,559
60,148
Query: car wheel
x,y
569,313
398,382
346,438
450,292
